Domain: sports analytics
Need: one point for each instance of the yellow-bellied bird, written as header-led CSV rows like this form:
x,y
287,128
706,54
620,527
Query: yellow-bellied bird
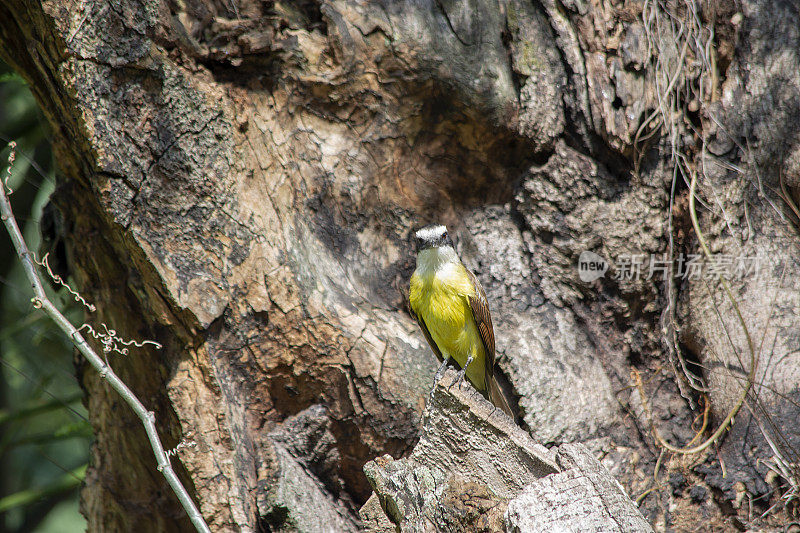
x,y
451,308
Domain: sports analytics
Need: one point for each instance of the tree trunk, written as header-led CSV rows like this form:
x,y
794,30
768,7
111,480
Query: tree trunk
x,y
240,179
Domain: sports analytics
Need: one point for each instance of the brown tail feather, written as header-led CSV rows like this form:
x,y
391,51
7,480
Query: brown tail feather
x,y
497,397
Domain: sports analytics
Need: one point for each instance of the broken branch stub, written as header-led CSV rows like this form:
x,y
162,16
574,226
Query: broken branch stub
x,y
473,469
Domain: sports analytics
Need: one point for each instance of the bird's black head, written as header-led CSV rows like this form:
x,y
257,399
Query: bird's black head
x,y
432,237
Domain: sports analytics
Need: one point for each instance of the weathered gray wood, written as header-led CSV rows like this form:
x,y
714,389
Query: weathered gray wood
x,y
582,498
473,465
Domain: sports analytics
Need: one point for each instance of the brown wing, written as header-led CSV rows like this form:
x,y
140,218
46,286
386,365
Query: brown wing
x,y
483,319
427,334
480,310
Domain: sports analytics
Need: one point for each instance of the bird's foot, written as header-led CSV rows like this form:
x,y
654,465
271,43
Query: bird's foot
x,y
461,373
437,377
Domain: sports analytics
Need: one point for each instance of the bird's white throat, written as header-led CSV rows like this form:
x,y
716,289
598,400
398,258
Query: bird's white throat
x,y
436,260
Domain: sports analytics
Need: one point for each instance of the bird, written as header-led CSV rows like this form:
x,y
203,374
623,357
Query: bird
x,y
452,311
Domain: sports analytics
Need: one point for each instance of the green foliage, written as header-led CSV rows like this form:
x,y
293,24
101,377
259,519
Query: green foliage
x,y
44,432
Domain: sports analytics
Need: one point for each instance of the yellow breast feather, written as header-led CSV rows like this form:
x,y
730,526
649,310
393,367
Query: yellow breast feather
x,y
441,299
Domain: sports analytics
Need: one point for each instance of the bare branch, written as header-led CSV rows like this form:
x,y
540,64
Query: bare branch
x,y
41,301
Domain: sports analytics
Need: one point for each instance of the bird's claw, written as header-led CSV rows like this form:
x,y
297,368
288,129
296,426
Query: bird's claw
x,y
436,378
459,379
461,373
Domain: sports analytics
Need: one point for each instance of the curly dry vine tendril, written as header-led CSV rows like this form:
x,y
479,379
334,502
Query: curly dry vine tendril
x,y
59,281
110,340
12,155
182,444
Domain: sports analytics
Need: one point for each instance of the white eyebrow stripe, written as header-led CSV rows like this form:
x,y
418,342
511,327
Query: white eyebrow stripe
x,y
431,232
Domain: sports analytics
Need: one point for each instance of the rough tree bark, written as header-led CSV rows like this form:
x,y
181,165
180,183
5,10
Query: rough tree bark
x,y
239,180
